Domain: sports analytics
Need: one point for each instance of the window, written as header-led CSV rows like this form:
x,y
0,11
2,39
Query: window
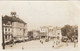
x,y
5,29
5,32
5,36
8,29
24,30
8,36
57,37
9,23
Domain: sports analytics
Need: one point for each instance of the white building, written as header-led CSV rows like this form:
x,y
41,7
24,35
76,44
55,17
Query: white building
x,y
43,31
58,34
51,32
7,30
13,27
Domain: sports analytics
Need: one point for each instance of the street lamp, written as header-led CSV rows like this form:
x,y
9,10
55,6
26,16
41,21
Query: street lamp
x,y
3,44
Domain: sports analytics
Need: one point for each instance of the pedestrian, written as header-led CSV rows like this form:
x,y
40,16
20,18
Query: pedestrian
x,y
12,40
53,46
41,41
22,47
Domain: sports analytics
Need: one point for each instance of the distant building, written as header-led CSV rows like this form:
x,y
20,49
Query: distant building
x,y
75,35
36,34
58,32
43,32
51,32
33,34
13,27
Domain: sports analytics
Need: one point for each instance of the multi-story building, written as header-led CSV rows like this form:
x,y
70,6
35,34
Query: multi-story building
x,y
51,32
57,31
43,32
7,30
13,27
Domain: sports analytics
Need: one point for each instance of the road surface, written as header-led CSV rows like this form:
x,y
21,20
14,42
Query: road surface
x,y
36,44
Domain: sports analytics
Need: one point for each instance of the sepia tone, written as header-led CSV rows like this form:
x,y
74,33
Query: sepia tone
x,y
42,32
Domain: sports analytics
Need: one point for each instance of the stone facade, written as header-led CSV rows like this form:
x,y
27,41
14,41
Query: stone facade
x,y
13,27
51,32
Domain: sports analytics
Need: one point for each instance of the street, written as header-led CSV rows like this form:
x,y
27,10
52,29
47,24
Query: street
x,y
36,44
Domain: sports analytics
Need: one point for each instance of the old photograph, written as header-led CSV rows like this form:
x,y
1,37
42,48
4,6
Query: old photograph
x,y
39,25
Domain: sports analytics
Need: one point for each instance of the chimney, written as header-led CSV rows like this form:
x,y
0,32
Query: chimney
x,y
13,14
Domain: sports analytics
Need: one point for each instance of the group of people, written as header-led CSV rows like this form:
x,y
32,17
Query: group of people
x,y
55,42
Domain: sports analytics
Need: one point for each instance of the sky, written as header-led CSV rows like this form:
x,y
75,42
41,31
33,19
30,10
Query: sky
x,y
43,13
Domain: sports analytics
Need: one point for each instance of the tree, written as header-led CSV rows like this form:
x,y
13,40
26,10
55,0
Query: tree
x,y
68,31
65,30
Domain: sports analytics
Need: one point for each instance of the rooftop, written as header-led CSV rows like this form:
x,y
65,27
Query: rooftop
x,y
12,19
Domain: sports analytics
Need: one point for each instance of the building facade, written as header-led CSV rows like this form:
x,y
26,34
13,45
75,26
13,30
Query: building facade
x,y
13,27
43,32
7,30
58,34
51,32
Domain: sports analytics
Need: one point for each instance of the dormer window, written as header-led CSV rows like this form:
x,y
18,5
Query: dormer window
x,y
9,23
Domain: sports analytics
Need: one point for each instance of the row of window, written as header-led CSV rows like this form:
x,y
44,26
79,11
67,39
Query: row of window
x,y
7,37
7,29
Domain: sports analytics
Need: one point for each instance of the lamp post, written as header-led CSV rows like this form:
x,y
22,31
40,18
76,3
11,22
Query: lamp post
x,y
74,39
3,44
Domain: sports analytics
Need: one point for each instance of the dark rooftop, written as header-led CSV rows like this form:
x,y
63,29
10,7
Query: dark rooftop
x,y
12,19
